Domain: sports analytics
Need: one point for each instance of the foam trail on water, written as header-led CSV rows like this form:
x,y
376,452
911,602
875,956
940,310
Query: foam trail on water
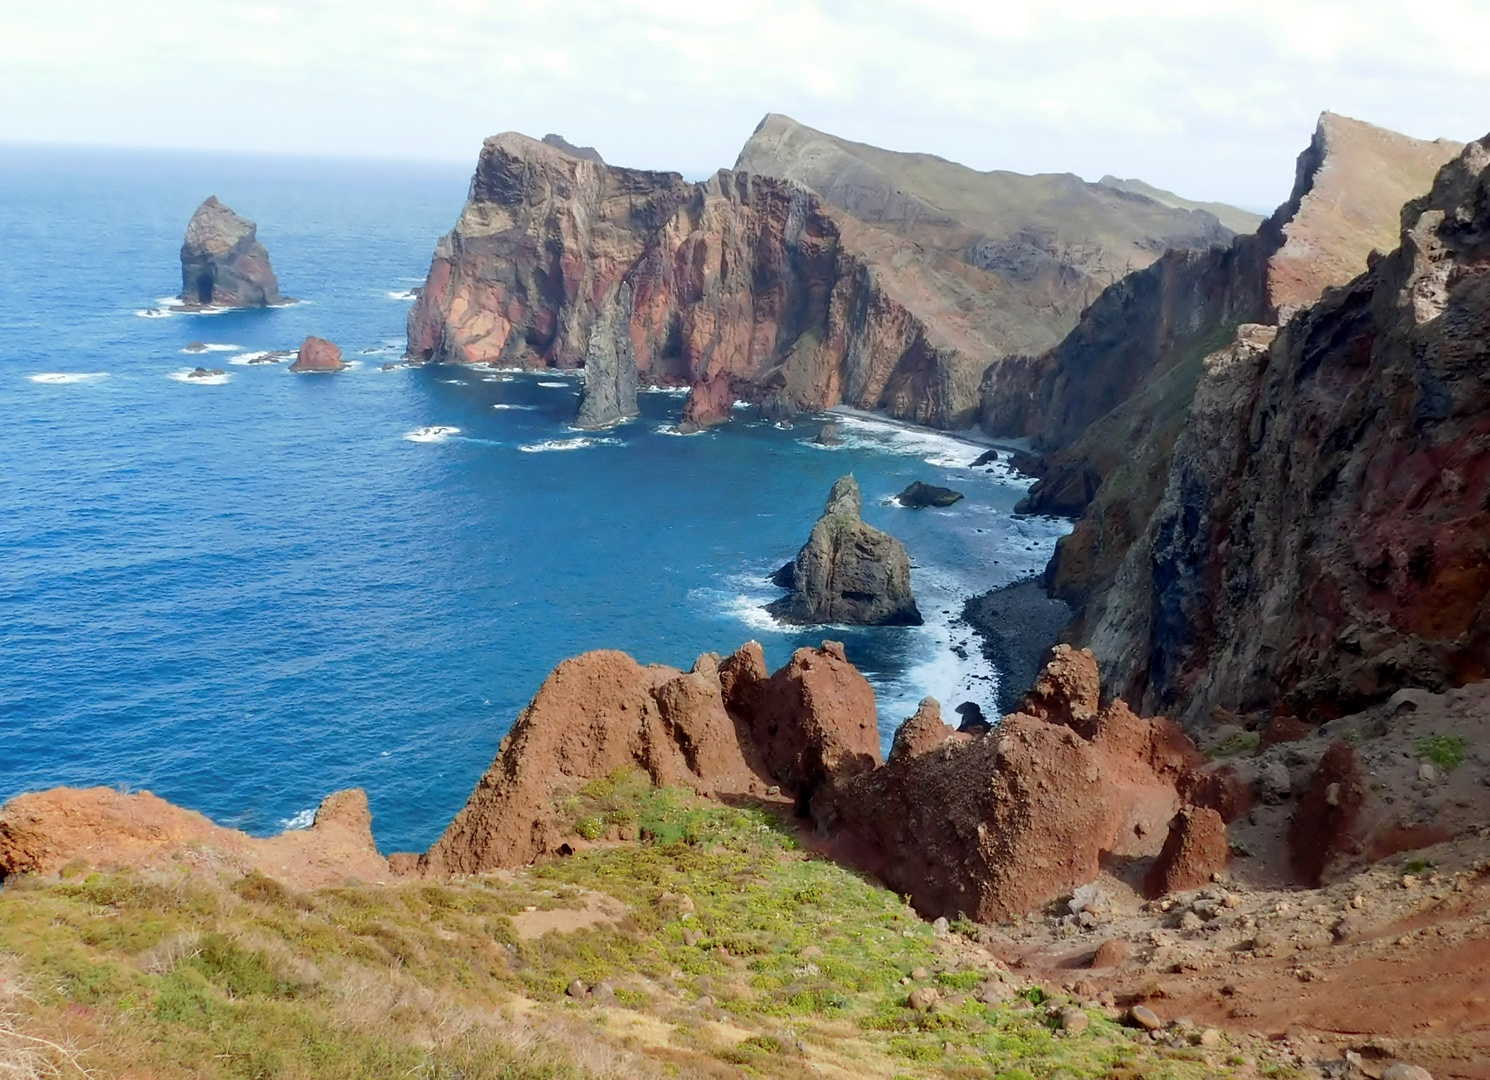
x,y
213,347
303,820
567,444
185,375
555,385
62,378
434,433
508,405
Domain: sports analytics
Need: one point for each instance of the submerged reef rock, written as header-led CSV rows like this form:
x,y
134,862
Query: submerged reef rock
x,y
848,572
317,355
559,260
222,262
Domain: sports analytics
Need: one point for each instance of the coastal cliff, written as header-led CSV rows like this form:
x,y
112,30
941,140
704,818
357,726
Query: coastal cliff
x,y
1320,540
559,260
1109,402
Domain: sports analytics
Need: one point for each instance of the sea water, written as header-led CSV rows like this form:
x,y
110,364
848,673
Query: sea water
x,y
247,590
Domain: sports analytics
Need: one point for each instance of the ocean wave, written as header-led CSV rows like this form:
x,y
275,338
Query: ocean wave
x,y
303,820
212,347
434,433
407,294
62,378
509,405
935,448
555,385
185,375
674,391
581,443
671,429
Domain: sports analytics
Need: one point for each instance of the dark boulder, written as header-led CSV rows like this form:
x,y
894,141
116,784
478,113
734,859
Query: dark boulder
x,y
919,496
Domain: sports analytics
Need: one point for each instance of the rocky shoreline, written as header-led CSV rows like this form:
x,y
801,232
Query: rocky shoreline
x,y
1017,624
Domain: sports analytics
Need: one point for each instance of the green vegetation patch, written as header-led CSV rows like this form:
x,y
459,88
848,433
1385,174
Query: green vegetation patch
x,y
1446,751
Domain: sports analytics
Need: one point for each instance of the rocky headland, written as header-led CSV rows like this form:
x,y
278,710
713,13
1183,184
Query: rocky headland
x,y
848,572
222,262
771,276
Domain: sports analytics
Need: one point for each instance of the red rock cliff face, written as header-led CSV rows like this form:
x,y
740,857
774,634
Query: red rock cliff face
x,y
561,261
1323,536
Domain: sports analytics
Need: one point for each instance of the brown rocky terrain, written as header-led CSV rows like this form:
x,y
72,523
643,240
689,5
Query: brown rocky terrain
x,y
222,262
802,300
101,828
848,572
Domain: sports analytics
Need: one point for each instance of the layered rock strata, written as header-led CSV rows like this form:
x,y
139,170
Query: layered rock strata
x,y
1320,542
1110,401
560,260
848,571
222,262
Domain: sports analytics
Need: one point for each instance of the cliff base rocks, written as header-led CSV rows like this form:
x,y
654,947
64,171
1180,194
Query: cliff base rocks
x,y
848,572
920,495
222,262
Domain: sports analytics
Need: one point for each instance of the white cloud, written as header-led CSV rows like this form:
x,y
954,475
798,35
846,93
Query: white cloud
x,y
1213,98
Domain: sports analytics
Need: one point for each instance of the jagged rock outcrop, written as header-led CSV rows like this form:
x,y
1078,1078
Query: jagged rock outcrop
x,y
102,828
558,259
815,720
924,731
919,495
594,714
1194,852
708,404
1109,402
589,153
317,355
222,262
1321,538
991,827
848,571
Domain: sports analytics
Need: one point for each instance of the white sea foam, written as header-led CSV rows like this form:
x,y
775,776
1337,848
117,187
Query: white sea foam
x,y
213,347
671,429
934,447
675,391
407,294
262,356
509,405
303,820
555,385
185,375
435,433
567,444
62,378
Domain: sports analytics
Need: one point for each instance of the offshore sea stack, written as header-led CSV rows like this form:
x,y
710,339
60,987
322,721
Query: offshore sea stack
x,y
847,572
222,262
559,260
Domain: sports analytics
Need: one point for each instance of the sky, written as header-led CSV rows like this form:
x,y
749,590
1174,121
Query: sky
x,y
1209,98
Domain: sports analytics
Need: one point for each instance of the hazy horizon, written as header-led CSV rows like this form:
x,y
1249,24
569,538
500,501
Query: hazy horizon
x,y
1212,101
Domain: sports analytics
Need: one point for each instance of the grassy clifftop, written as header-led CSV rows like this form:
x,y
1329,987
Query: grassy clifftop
x,y
710,945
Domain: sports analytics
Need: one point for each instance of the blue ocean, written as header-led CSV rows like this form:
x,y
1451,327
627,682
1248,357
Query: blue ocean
x,y
247,591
